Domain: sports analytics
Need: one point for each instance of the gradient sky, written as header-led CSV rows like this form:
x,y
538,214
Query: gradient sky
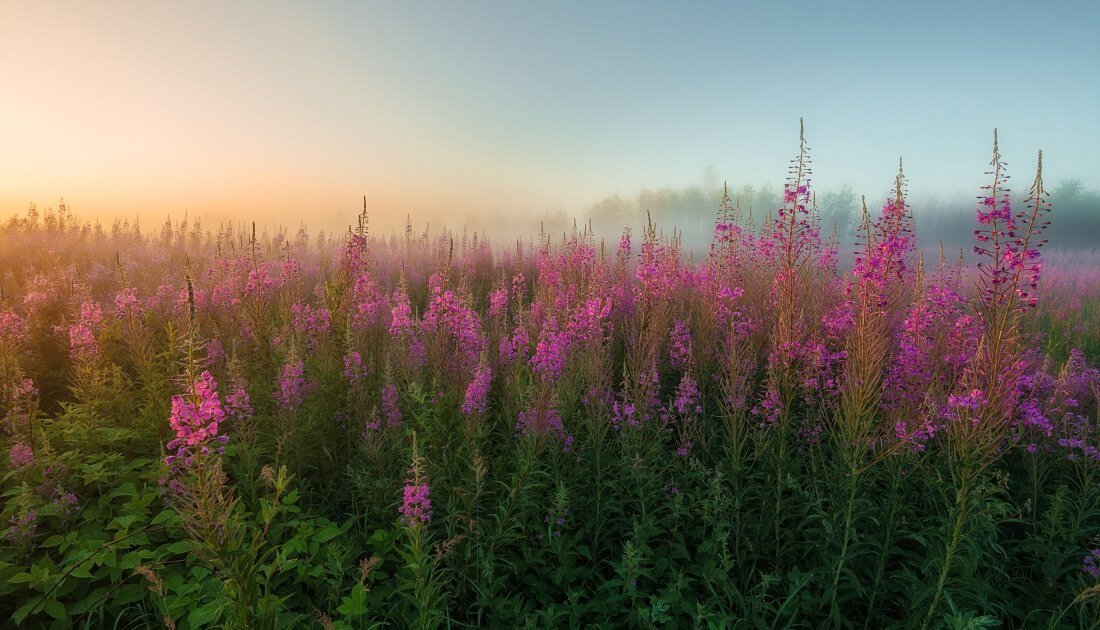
x,y
280,111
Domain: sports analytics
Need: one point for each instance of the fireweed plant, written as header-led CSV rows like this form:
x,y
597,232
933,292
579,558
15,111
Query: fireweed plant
x,y
231,426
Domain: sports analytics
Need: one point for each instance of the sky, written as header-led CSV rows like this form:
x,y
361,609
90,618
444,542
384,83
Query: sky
x,y
285,112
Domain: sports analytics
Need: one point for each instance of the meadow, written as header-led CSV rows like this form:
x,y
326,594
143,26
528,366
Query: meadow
x,y
253,429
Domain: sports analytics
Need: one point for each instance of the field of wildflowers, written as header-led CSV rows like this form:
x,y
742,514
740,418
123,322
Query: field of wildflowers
x,y
223,428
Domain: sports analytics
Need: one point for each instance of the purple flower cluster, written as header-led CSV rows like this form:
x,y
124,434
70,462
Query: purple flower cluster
x,y
391,405
82,343
264,279
313,324
20,456
21,529
476,400
769,409
416,505
127,304
370,304
679,345
543,423
196,418
292,386
401,314
498,302
238,405
455,324
354,370
416,508
548,362
1091,564
53,488
12,329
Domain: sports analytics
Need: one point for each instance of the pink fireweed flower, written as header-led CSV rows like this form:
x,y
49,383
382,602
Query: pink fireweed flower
x,y
20,456
290,269
354,253
1032,417
22,529
354,371
1091,564
371,424
498,302
679,345
293,386
264,279
401,314
587,324
477,392
971,400
38,295
127,304
238,405
769,410
313,324
517,347
53,487
17,396
550,352
12,329
82,343
215,351
418,353
416,508
683,412
449,320
369,304
391,405
196,418
883,258
543,423
687,397
624,416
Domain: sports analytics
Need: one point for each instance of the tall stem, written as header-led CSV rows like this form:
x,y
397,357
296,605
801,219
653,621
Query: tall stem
x,y
962,505
853,485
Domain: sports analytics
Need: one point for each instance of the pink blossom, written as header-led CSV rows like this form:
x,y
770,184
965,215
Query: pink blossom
x,y
391,405
82,342
127,304
20,456
196,418
416,507
313,324
477,392
12,329
293,386
536,422
354,371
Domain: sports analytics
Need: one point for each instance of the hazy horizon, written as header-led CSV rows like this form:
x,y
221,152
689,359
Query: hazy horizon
x,y
286,112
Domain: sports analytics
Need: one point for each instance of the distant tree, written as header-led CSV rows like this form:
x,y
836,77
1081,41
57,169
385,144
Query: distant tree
x,y
839,206
1069,192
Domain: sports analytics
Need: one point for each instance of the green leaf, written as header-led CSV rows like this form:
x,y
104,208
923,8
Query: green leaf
x,y
53,541
20,578
21,613
204,615
165,516
54,609
180,546
328,533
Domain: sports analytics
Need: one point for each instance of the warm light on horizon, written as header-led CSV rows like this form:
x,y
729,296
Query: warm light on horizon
x,y
286,113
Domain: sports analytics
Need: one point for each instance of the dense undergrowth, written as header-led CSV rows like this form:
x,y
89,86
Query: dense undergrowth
x,y
429,430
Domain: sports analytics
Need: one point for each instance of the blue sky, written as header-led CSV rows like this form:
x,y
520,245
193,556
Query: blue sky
x,y
434,108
